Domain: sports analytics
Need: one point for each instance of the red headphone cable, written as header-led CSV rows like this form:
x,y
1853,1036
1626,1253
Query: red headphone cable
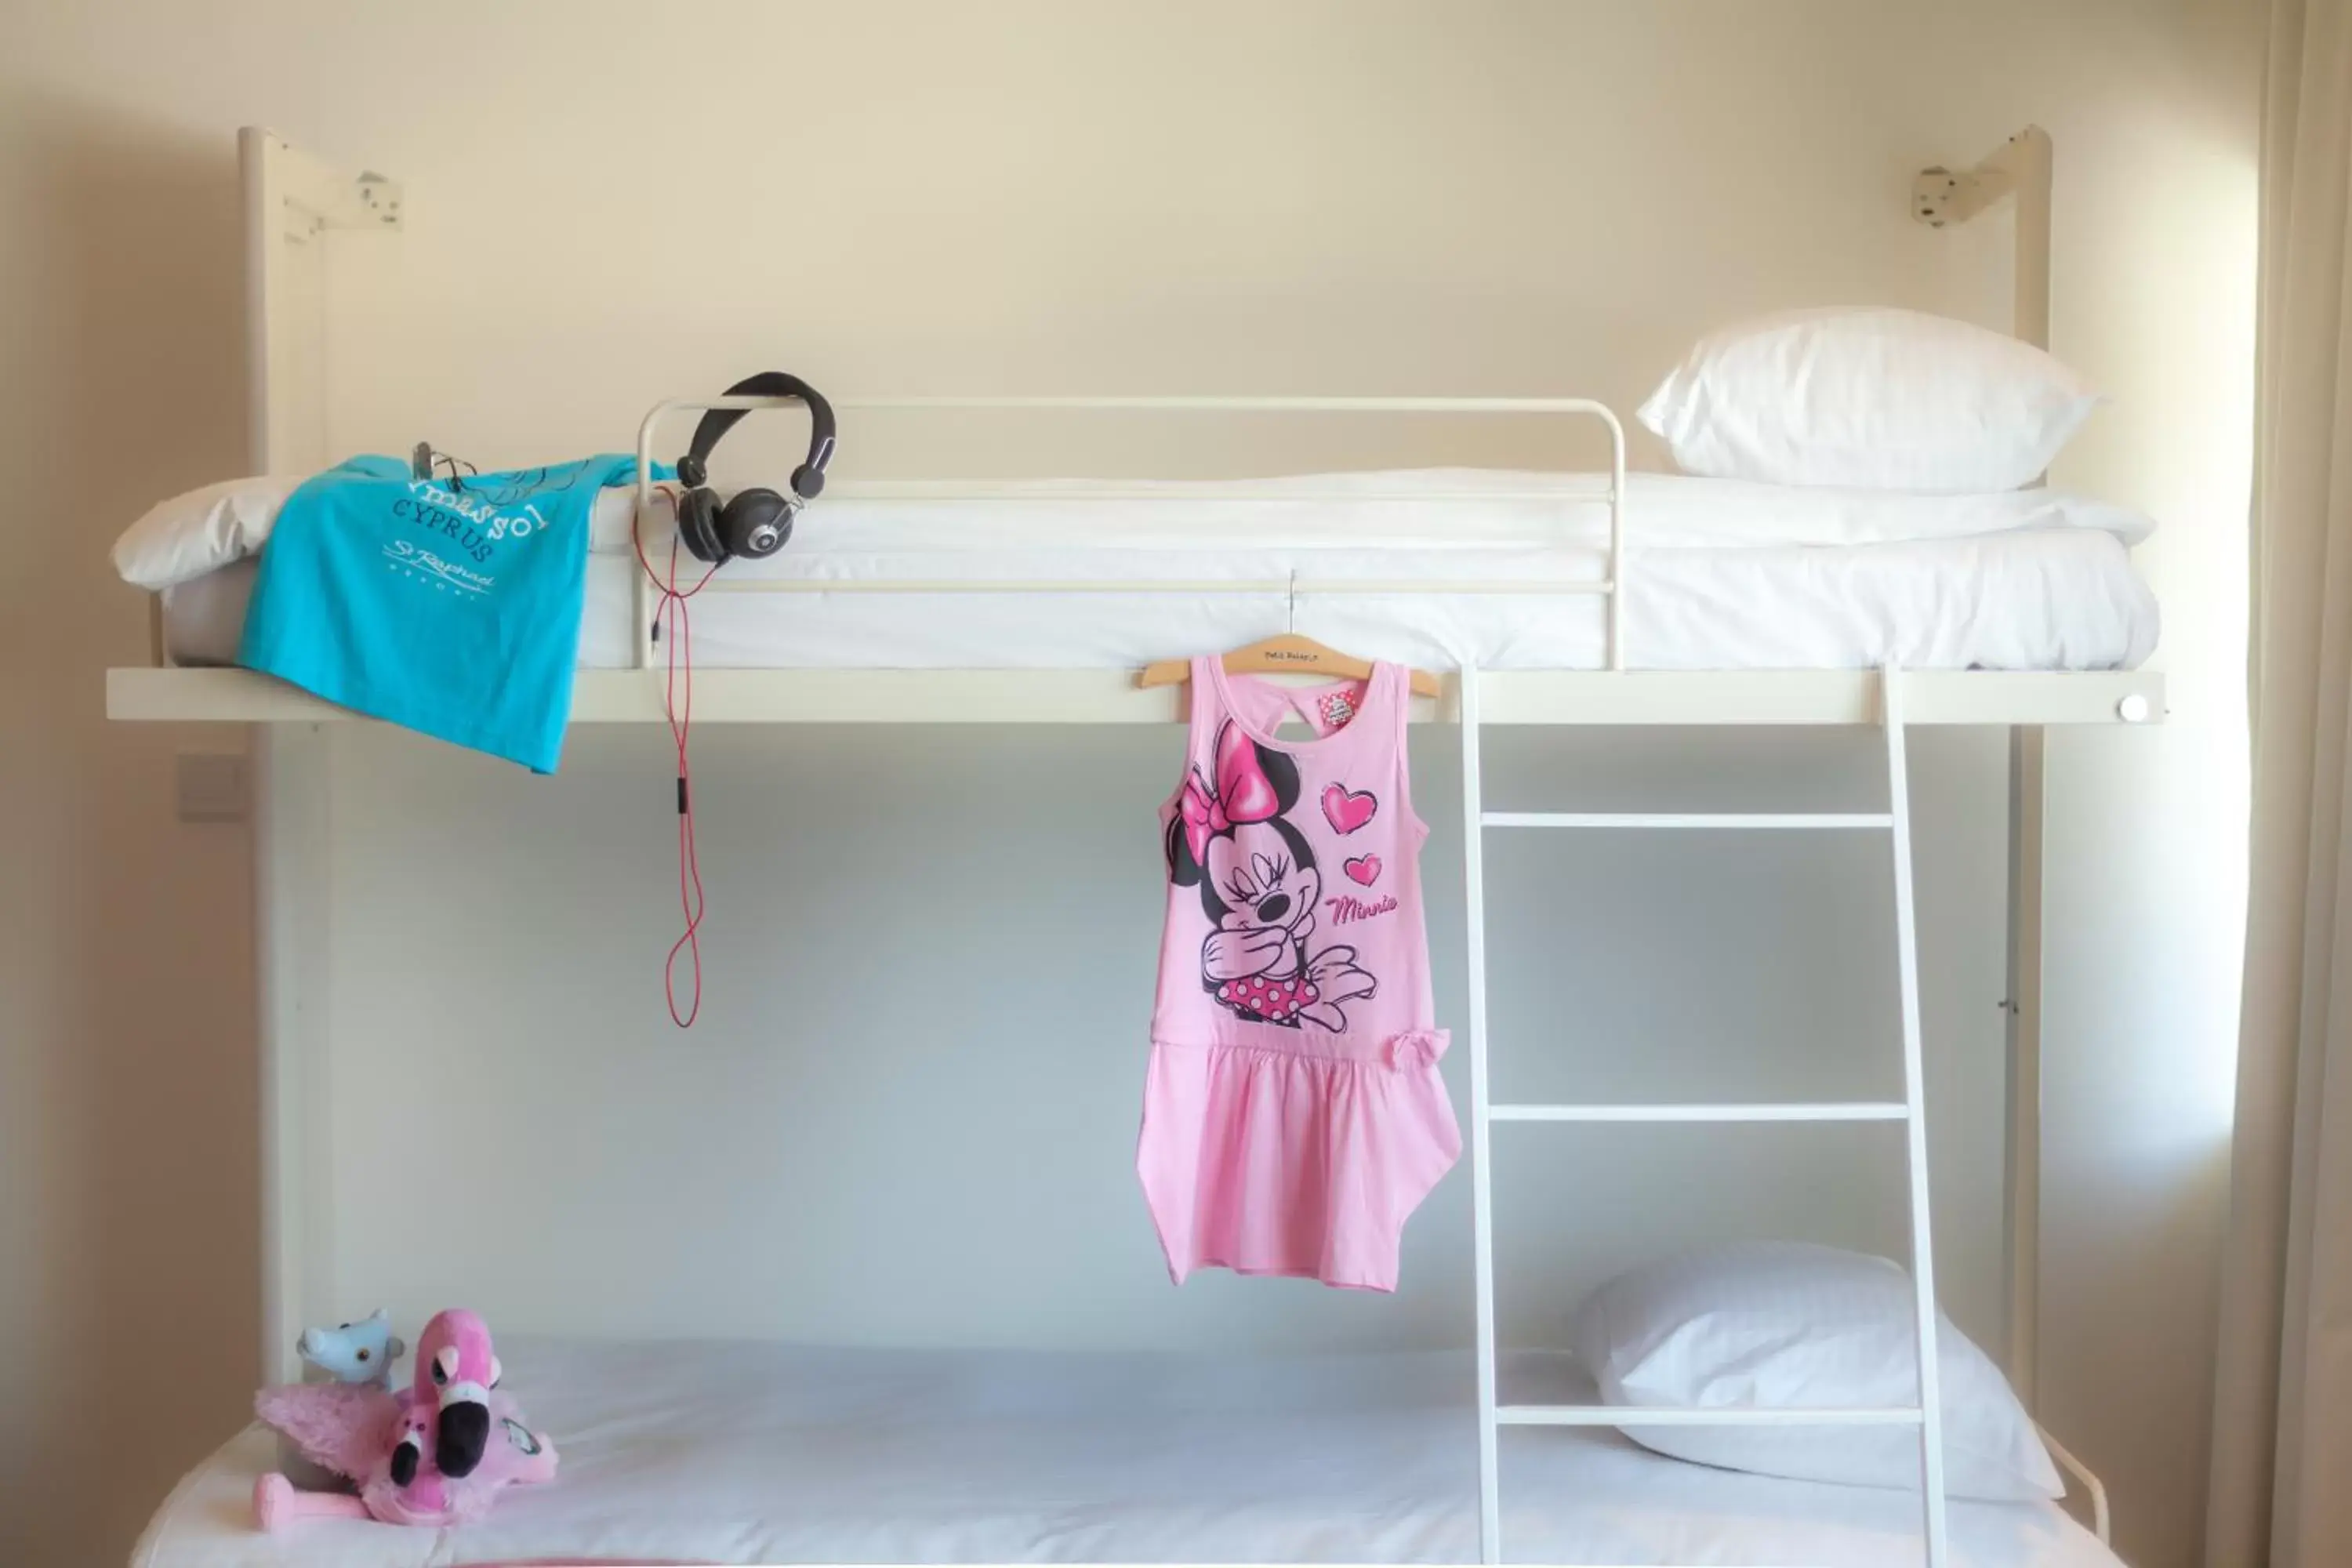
x,y
679,642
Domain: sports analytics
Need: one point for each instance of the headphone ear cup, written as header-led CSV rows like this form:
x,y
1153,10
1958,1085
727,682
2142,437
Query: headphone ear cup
x,y
697,525
755,523
808,481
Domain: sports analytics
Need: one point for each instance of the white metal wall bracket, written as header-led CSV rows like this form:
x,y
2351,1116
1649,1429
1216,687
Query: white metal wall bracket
x,y
379,197
1942,195
315,194
2022,169
292,201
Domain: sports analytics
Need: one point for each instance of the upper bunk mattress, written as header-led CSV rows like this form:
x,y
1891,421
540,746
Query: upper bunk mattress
x,y
1720,575
741,1453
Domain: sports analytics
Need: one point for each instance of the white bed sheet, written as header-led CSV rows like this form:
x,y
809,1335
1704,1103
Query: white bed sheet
x,y
2035,598
749,1453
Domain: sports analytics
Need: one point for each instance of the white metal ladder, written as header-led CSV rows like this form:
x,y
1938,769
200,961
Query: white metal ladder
x,y
1927,1415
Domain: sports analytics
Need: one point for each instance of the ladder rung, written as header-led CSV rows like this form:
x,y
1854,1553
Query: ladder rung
x,y
1702,819
1835,1111
1704,1416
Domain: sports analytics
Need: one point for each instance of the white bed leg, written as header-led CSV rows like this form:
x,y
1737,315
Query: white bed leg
x,y
292,850
2022,1195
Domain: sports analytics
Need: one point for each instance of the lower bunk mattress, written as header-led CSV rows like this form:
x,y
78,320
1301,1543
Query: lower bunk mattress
x,y
696,1452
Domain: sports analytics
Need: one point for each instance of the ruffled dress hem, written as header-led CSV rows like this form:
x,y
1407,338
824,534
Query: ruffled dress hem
x,y
1270,1161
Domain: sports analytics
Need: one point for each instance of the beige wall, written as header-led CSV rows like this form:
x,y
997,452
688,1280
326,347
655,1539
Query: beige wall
x,y
127,1283
904,198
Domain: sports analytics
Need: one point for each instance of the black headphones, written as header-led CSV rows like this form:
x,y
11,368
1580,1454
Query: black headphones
x,y
756,523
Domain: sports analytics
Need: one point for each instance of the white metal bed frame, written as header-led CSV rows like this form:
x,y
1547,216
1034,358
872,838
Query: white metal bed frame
x,y
294,203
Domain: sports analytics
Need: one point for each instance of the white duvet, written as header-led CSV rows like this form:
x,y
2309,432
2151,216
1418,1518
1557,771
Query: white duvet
x,y
185,537
1721,575
741,1453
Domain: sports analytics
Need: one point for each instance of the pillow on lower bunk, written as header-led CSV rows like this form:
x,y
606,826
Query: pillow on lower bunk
x,y
1759,1324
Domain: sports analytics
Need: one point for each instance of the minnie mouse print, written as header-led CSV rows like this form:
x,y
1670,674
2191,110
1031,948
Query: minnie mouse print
x,y
1260,889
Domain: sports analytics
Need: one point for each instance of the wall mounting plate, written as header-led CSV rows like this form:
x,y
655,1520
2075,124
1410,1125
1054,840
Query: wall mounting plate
x,y
1941,195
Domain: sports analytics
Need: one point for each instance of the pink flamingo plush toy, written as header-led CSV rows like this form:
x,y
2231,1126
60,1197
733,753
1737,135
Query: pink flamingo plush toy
x,y
435,1453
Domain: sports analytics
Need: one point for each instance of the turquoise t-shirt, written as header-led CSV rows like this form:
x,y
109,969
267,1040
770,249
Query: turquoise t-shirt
x,y
451,610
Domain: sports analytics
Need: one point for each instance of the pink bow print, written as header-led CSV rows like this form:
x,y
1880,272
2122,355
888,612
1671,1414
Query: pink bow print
x,y
1241,793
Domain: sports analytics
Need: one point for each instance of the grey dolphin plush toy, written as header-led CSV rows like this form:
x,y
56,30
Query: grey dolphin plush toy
x,y
360,1352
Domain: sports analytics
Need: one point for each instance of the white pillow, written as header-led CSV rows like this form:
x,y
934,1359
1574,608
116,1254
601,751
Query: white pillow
x,y
182,539
190,535
1868,399
1782,1323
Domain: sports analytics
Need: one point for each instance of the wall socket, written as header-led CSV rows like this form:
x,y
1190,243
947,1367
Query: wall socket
x,y
211,786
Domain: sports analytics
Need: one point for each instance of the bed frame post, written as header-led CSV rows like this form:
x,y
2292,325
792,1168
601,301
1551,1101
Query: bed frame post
x,y
292,201
2031,280
274,980
2021,1233
2022,168
292,865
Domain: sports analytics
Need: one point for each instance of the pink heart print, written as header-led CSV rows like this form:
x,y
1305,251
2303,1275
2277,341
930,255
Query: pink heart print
x,y
1346,811
1364,869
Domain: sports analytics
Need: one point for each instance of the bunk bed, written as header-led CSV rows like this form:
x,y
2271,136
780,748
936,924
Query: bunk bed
x,y
1556,610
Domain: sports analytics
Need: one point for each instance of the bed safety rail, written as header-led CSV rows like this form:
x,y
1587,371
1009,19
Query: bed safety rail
x,y
1291,586
2095,1490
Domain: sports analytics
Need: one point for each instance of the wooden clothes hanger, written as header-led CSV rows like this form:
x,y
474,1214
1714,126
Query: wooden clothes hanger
x,y
1287,652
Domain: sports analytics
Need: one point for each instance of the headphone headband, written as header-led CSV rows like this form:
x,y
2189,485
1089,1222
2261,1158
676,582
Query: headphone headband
x,y
808,479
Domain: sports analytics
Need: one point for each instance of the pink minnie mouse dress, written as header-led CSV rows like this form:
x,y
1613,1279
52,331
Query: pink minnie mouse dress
x,y
1292,1115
